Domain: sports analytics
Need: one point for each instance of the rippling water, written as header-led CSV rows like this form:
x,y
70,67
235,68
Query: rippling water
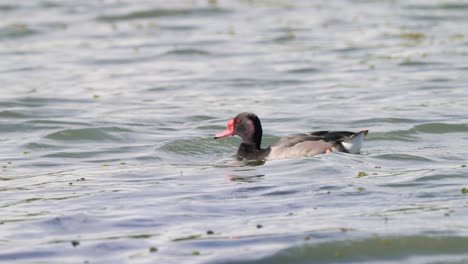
x,y
108,109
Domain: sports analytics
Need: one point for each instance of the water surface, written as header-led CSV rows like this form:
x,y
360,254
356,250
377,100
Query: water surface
x,y
108,110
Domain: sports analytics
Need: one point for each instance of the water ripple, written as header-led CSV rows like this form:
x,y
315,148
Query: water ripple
x,y
12,114
402,157
187,52
109,108
441,128
155,13
377,248
87,134
16,31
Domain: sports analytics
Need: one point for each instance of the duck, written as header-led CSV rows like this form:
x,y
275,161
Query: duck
x,y
248,127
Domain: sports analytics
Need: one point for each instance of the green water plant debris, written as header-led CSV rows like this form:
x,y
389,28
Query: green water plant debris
x,y
231,31
20,27
209,232
362,174
462,166
75,243
153,249
307,238
413,35
195,253
464,190
360,189
457,37
259,226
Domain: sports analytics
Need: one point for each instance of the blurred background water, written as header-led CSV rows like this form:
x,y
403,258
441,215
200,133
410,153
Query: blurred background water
x,y
108,109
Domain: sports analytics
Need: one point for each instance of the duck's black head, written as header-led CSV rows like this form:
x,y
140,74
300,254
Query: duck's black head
x,y
245,125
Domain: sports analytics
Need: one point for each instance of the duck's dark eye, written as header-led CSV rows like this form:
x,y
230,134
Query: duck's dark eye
x,y
238,121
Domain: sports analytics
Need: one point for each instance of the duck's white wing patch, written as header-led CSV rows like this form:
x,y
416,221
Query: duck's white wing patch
x,y
354,143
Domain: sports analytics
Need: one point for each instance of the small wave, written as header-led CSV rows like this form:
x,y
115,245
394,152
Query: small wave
x,y
86,134
374,249
456,6
56,122
304,70
154,13
179,27
198,146
7,7
250,82
388,120
13,127
30,101
399,156
441,128
16,31
399,135
39,146
77,155
121,60
187,52
411,134
441,177
12,114
417,63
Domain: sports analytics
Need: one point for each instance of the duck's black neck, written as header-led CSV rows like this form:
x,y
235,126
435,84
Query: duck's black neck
x,y
258,133
250,151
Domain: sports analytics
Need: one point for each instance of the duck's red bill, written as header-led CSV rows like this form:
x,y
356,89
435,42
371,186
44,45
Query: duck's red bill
x,y
229,131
